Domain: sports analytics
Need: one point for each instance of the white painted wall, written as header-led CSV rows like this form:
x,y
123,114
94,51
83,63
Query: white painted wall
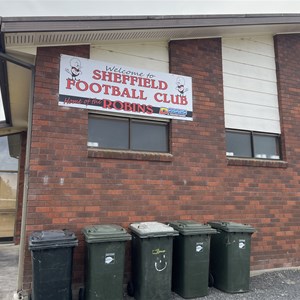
x,y
143,55
14,8
250,85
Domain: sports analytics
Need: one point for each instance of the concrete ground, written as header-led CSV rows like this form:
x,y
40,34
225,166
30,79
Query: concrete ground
x,y
278,284
8,270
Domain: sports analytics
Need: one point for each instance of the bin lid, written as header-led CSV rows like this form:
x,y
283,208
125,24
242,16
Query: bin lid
x,y
46,239
190,227
231,226
152,229
105,233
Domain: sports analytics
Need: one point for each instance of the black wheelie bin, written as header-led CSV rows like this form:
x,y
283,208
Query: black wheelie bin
x,y
52,263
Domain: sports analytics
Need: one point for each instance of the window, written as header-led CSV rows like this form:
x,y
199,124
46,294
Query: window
x,y
119,133
8,146
252,144
8,187
252,119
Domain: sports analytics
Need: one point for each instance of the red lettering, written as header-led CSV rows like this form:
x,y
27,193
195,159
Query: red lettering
x,y
149,109
70,83
106,88
183,100
162,85
107,103
141,108
133,80
147,82
159,97
95,88
106,76
118,105
127,106
117,77
115,91
126,93
125,78
82,86
174,99
142,96
97,74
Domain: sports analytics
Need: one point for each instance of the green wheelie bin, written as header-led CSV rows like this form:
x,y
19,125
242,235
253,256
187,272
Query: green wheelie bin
x,y
191,251
52,263
152,246
104,261
230,256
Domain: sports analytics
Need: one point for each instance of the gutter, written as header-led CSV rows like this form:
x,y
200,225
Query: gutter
x,y
4,58
62,24
25,188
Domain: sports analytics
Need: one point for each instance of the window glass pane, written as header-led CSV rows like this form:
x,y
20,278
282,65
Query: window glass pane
x,y
8,194
266,146
109,133
238,144
6,161
149,136
2,116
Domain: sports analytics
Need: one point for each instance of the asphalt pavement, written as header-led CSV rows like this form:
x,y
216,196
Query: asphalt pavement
x,y
283,284
268,285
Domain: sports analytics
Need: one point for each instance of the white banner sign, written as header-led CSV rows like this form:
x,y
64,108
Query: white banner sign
x,y
108,87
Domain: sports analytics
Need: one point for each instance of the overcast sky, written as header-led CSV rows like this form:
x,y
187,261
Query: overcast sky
x,y
14,8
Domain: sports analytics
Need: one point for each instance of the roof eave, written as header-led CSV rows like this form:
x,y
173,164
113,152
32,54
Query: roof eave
x,y
54,24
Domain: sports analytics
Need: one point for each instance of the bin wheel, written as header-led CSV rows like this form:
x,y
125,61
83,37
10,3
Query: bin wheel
x,y
81,294
211,280
130,289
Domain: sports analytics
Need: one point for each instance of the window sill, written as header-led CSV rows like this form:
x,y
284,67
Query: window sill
x,y
121,154
252,162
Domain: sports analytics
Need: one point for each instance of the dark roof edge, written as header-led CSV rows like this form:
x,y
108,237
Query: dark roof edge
x,y
4,92
4,82
146,17
85,23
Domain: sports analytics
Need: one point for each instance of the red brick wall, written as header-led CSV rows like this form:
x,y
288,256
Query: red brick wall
x,y
58,151
198,182
263,194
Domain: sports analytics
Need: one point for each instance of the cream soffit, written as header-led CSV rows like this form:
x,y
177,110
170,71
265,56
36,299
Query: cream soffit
x,y
91,37
93,30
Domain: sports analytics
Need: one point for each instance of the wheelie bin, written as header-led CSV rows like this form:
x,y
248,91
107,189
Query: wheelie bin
x,y
52,263
152,245
104,261
230,256
191,258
